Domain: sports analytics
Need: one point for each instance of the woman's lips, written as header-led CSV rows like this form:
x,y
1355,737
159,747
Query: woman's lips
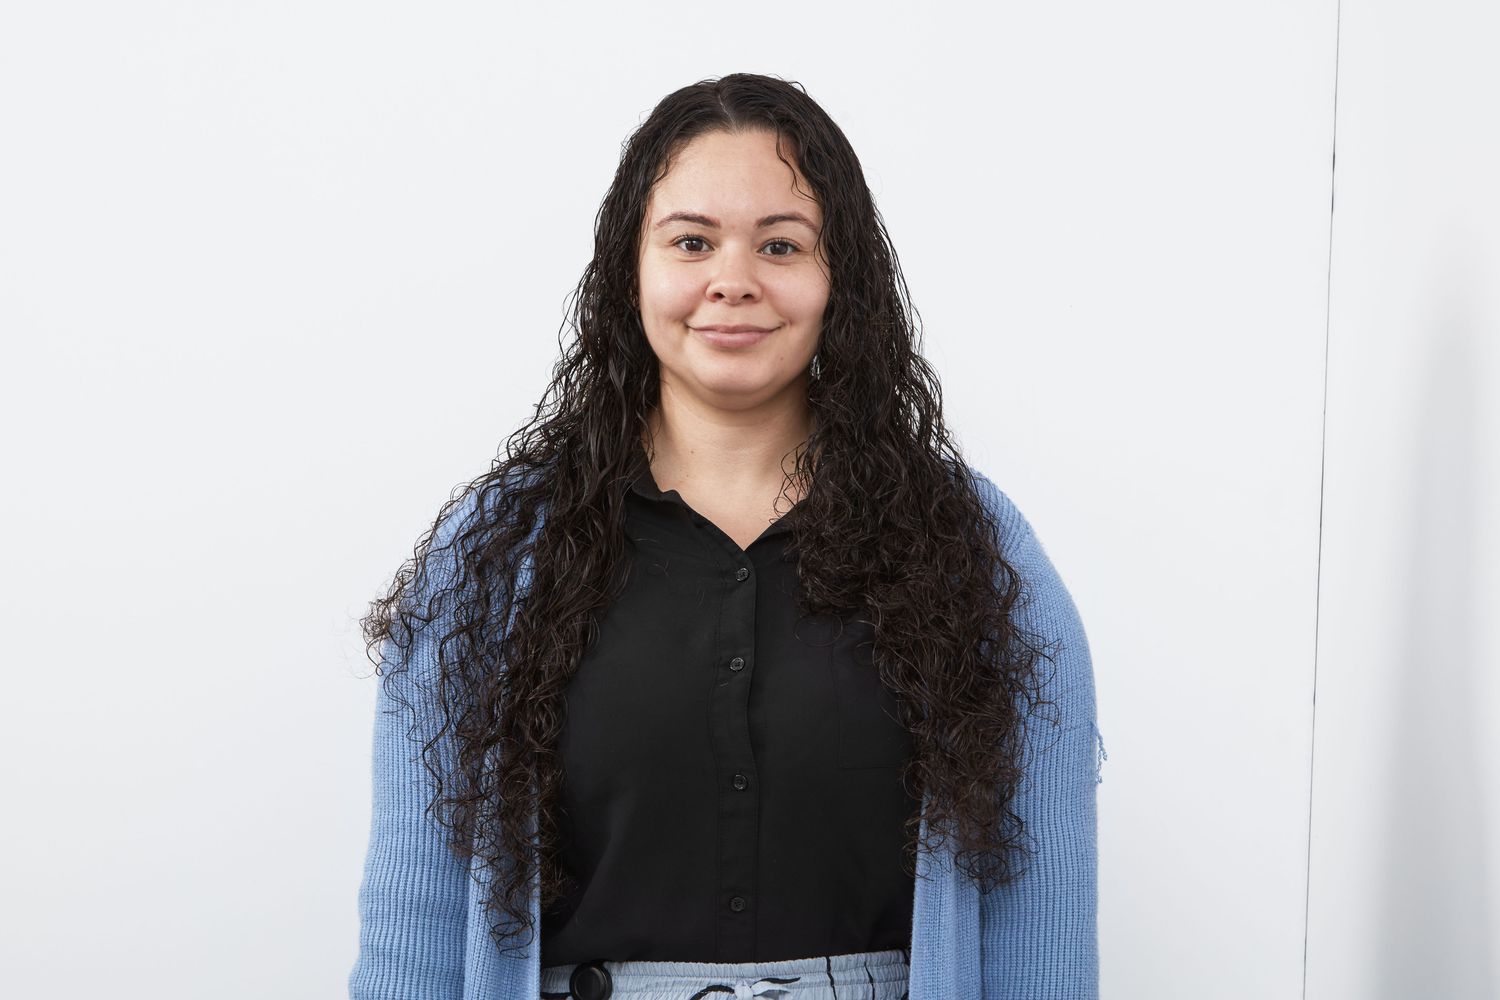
x,y
732,337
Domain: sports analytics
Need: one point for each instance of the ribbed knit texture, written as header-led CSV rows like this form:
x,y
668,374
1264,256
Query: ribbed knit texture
x,y
425,936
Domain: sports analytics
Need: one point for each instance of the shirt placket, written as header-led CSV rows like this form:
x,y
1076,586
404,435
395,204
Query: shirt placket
x,y
738,798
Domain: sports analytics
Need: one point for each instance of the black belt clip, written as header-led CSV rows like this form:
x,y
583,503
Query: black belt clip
x,y
590,981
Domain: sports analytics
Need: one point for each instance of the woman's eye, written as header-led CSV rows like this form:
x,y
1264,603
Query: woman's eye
x,y
687,239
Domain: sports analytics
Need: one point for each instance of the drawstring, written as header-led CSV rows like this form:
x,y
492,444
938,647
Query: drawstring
x,y
743,989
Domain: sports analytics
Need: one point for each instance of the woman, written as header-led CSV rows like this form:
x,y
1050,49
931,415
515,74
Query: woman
x,y
729,677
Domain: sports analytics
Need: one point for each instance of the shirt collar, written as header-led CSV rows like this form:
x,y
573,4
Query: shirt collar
x,y
643,484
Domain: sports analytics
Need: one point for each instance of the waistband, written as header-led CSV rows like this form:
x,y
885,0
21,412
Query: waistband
x,y
868,975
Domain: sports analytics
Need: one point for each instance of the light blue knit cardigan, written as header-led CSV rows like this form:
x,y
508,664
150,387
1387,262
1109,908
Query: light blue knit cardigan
x,y
424,935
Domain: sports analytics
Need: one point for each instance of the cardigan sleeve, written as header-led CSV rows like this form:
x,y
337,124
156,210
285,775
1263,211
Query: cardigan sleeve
x,y
1039,937
413,899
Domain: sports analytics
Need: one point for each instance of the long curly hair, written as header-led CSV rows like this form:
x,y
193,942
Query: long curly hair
x,y
894,528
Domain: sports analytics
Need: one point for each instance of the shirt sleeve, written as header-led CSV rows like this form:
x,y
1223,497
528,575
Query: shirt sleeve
x,y
1039,936
413,898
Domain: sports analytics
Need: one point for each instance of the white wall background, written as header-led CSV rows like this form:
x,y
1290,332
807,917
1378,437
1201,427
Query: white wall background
x,y
1405,848
241,246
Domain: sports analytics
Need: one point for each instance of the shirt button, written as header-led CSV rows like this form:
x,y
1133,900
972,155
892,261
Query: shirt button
x,y
741,573
738,663
740,781
736,903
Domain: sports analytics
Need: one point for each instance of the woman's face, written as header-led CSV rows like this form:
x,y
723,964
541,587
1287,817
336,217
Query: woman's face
x,y
728,242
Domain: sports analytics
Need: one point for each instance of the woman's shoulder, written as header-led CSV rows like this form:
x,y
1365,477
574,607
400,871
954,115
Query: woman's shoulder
x,y
463,522
1011,524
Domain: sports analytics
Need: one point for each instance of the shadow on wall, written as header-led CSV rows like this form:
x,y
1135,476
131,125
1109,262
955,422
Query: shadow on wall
x,y
1436,924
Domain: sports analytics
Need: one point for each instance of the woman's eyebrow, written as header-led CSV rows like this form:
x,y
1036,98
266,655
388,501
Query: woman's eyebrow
x,y
698,219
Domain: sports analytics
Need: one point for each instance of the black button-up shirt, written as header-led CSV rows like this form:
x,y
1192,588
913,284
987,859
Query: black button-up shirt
x,y
731,770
